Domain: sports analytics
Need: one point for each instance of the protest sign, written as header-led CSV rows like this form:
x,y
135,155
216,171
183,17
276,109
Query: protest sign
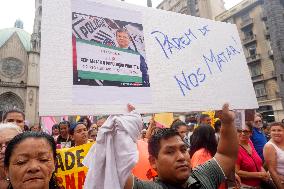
x,y
164,119
99,55
70,172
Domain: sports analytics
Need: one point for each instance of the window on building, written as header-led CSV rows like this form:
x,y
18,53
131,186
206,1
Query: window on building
x,y
255,70
248,33
252,50
267,113
259,90
282,77
245,17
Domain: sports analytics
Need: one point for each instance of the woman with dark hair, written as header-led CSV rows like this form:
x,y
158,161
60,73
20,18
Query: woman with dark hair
x,y
64,139
79,133
86,121
55,131
30,161
36,128
203,145
249,164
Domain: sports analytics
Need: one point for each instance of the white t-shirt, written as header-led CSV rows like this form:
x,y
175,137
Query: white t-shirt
x,y
280,158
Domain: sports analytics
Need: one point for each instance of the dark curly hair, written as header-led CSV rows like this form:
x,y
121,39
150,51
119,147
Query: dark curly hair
x,y
154,142
177,123
13,111
89,123
277,124
21,137
203,137
64,123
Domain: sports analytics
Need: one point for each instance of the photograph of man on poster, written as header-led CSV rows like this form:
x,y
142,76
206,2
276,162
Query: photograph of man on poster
x,y
123,41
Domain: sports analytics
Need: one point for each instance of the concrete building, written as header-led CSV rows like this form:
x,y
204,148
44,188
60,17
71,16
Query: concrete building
x,y
252,24
19,68
201,8
274,13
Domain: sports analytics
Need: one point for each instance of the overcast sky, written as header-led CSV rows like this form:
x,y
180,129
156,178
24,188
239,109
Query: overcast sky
x,y
10,10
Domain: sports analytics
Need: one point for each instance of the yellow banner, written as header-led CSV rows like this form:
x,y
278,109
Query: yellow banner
x,y
70,171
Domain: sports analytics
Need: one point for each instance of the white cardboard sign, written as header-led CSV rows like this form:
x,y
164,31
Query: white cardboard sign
x,y
97,56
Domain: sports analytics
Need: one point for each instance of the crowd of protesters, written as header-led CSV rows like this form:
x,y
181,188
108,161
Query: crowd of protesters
x,y
252,157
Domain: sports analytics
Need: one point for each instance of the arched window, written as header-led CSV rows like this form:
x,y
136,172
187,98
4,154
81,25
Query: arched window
x,y
9,101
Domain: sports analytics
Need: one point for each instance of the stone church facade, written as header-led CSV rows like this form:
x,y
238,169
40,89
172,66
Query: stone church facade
x,y
19,68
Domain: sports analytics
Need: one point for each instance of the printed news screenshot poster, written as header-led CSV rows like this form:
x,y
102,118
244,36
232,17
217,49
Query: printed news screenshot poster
x,y
99,55
107,52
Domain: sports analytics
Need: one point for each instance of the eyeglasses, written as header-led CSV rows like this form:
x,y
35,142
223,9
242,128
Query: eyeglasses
x,y
244,131
258,121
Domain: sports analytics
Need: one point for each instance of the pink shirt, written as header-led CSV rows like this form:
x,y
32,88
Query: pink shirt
x,y
246,163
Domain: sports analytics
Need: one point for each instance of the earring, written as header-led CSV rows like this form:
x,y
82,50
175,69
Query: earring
x,y
7,179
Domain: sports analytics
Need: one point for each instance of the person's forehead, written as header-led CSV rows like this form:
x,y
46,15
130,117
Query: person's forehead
x,y
182,129
122,33
14,115
257,118
275,127
80,126
35,146
63,126
174,141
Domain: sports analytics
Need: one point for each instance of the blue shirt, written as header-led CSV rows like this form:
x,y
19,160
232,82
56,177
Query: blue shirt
x,y
259,140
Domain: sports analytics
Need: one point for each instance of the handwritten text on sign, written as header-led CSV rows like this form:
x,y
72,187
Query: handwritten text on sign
x,y
187,80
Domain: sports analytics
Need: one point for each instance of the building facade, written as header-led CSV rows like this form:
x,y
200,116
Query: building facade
x,y
19,69
274,13
201,8
252,23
